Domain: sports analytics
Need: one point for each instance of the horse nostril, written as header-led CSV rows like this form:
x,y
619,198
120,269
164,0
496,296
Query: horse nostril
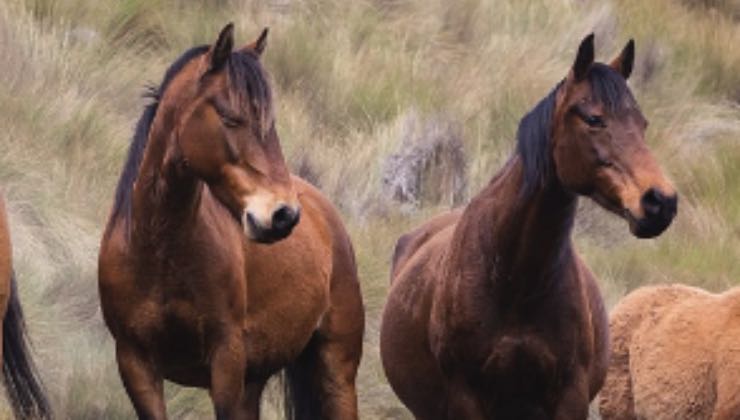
x,y
284,218
653,202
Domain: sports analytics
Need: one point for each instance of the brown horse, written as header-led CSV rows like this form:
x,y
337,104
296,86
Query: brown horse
x,y
206,277
674,355
491,312
23,387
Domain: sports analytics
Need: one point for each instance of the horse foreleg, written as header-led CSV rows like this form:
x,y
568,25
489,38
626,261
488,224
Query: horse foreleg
x,y
462,403
322,380
252,398
573,403
338,348
228,368
339,362
143,384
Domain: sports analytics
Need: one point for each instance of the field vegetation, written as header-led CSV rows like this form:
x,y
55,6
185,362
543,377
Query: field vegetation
x,y
396,109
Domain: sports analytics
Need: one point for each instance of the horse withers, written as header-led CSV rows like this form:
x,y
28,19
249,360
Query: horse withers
x,y
218,268
491,312
23,386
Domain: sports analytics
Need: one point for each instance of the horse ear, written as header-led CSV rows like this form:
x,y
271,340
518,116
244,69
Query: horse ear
x,y
259,45
626,59
584,58
221,50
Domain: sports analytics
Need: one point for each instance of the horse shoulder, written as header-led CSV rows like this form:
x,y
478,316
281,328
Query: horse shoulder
x,y
116,286
597,328
331,241
323,231
290,281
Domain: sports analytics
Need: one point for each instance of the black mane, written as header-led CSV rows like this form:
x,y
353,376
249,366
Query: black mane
x,y
124,190
247,78
533,143
535,128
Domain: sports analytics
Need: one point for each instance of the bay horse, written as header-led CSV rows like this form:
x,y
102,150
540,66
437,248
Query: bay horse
x,y
23,387
674,355
491,312
206,276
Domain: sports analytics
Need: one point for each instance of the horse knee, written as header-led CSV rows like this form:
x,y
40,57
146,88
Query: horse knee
x,y
143,385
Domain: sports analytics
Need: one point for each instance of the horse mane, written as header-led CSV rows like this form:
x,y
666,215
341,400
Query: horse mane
x,y
124,190
534,133
247,78
533,143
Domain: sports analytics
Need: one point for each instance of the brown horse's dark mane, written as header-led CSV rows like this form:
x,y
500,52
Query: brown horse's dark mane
x,y
535,128
533,144
247,78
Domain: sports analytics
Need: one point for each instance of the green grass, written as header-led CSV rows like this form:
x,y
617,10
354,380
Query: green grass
x,y
346,76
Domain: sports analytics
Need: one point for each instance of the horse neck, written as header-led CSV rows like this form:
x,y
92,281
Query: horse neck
x,y
165,196
515,245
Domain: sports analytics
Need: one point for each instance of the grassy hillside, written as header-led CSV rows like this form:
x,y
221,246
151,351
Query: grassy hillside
x,y
364,90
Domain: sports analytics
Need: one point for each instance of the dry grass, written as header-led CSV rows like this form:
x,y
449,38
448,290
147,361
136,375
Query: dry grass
x,y
347,75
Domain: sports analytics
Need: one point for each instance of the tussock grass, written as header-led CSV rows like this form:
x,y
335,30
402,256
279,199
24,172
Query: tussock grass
x,y
346,76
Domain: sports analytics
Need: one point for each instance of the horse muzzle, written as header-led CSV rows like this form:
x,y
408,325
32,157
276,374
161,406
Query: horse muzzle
x,y
659,211
278,226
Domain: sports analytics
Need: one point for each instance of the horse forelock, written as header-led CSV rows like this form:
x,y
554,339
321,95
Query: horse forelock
x,y
610,88
250,83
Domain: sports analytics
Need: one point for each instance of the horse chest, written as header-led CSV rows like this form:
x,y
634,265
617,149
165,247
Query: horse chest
x,y
183,329
174,322
171,309
495,343
283,315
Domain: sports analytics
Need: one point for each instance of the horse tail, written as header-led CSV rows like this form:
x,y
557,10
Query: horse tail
x,y
300,392
22,384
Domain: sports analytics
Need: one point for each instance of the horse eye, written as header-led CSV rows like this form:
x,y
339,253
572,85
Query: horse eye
x,y
230,122
604,163
594,121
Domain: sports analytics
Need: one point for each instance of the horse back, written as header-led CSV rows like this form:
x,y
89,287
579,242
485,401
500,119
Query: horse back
x,y
646,305
409,243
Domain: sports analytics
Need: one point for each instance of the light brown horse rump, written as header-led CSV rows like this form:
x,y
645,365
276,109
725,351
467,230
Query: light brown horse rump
x,y
676,355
